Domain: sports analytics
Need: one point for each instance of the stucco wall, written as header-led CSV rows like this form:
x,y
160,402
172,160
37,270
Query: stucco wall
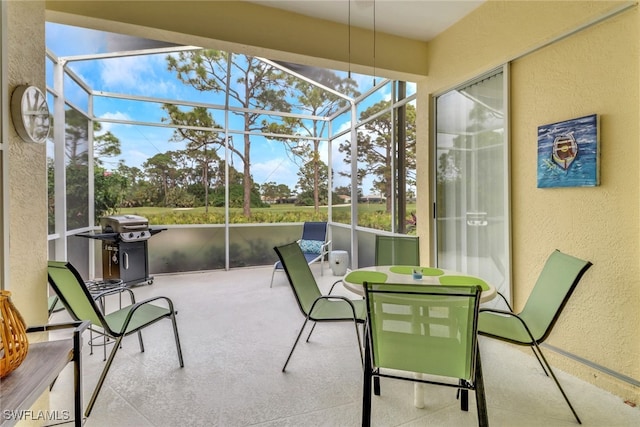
x,y
27,171
27,208
592,71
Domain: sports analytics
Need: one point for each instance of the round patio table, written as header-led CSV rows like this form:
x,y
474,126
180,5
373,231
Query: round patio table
x,y
405,274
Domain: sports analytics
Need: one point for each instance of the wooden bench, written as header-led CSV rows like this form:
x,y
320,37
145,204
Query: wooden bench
x,y
44,362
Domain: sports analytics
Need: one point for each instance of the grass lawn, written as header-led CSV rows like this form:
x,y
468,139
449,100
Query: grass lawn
x,y
370,215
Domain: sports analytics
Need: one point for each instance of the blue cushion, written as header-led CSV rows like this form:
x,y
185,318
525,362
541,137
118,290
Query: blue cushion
x,y
311,246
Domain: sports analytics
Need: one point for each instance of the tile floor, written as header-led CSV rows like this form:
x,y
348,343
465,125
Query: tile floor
x,y
236,333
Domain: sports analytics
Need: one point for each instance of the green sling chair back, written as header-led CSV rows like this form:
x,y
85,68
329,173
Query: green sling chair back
x,y
426,329
397,250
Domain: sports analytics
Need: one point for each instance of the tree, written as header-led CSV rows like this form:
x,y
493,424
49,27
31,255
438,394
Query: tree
x,y
376,149
318,102
275,192
192,125
254,85
136,193
162,171
104,145
307,179
108,188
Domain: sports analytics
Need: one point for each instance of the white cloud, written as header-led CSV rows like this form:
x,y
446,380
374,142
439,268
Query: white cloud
x,y
107,126
137,74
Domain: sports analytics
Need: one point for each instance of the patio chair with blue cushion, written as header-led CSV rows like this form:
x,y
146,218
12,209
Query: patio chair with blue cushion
x,y
314,245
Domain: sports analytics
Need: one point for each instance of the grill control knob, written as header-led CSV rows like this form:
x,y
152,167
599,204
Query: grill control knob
x,y
131,235
143,234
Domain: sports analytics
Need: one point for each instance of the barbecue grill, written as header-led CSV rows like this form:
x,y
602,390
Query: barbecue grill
x,y
125,252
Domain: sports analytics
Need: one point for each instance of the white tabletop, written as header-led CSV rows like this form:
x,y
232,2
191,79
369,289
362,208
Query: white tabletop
x,y
427,279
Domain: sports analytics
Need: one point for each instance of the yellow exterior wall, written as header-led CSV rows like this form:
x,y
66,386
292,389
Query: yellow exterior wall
x,y
244,27
592,71
27,208
27,168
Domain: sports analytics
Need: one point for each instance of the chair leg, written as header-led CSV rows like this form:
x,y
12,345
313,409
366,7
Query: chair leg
x,y
535,353
359,341
175,333
312,328
295,343
464,398
366,388
140,342
557,383
103,375
272,274
481,402
376,386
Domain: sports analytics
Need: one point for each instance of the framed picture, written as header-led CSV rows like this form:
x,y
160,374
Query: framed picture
x,y
568,153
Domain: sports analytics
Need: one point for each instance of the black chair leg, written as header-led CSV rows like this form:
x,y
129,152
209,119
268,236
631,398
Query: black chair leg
x,y
481,402
175,333
463,395
558,384
464,400
376,386
140,342
535,353
310,332
103,375
295,344
366,388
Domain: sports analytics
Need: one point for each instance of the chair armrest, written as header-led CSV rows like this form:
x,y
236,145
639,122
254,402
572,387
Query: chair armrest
x,y
136,306
505,301
510,314
334,285
336,298
114,292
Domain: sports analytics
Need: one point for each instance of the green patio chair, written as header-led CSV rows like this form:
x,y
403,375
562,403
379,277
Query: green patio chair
x,y
530,327
81,305
314,306
397,250
425,329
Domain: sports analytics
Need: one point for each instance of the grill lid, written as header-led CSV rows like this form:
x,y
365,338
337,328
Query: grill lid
x,y
123,223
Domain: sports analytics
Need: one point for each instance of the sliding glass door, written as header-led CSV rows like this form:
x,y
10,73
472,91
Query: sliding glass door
x,y
471,180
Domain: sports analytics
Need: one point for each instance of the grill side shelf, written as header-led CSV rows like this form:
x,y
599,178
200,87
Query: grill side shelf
x,y
111,237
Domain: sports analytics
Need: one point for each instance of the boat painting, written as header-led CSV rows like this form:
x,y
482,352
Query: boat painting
x,y
568,153
565,150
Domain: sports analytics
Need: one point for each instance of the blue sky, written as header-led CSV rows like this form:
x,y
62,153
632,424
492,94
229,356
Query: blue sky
x,y
147,75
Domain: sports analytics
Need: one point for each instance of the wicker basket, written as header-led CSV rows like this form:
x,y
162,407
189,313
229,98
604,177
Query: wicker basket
x,y
13,336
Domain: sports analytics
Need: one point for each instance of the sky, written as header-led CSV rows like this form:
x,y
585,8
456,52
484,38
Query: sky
x,y
147,76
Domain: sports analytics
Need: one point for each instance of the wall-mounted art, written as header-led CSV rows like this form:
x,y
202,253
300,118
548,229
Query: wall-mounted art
x,y
568,153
